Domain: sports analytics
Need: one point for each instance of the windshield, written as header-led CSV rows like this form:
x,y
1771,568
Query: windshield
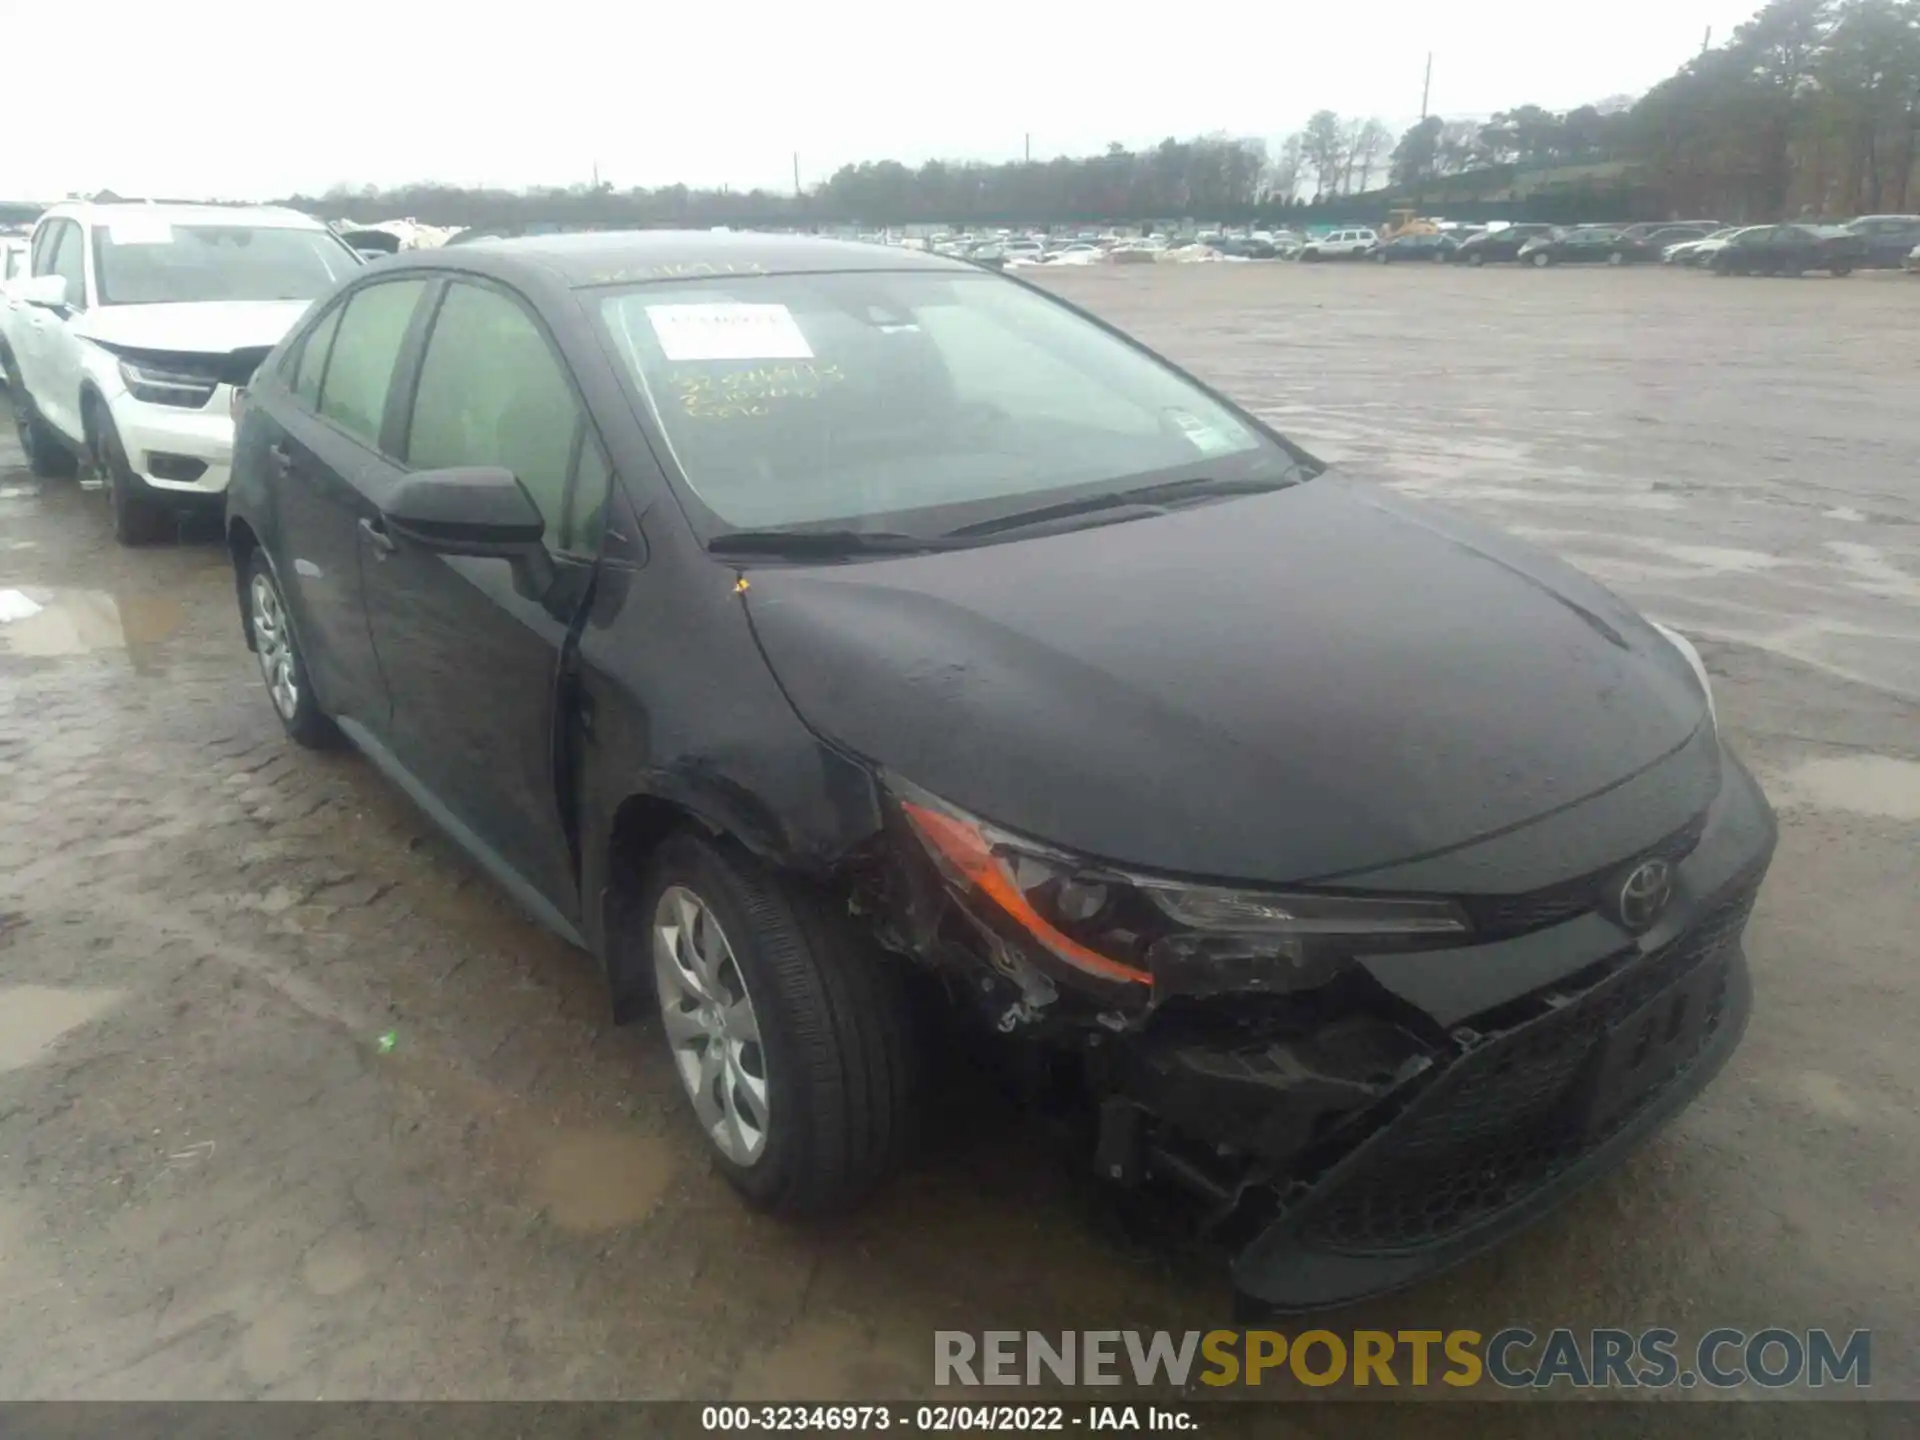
x,y
931,399
150,264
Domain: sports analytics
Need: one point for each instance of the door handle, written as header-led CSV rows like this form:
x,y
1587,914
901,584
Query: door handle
x,y
281,457
377,533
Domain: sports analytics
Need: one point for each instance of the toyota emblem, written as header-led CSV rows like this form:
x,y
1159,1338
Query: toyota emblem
x,y
1644,894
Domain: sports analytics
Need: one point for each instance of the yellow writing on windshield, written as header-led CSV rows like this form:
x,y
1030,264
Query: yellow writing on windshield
x,y
736,393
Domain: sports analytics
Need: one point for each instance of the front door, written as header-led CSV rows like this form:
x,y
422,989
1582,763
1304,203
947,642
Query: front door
x,y
473,666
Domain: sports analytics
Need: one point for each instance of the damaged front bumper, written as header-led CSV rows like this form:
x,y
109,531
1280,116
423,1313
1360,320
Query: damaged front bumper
x,y
1362,1153
1350,1139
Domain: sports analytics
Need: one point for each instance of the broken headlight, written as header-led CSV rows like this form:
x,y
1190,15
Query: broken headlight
x,y
1086,920
166,387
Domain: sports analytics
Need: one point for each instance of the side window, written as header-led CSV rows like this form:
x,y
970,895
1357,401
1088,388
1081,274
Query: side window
x,y
492,392
366,343
69,262
311,362
43,239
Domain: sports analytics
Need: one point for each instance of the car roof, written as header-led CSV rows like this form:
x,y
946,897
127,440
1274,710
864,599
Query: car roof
x,y
627,257
263,216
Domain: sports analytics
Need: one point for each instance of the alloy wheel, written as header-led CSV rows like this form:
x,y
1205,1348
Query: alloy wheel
x,y
712,1030
273,643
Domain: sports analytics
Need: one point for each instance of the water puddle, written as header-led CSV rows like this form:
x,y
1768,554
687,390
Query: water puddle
x,y
53,623
603,1179
1877,785
33,1017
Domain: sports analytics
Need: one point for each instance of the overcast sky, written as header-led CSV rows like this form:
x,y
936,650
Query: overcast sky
x,y
257,100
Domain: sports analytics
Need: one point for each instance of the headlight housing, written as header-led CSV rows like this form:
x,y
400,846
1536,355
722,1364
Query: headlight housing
x,y
1692,657
1142,935
158,386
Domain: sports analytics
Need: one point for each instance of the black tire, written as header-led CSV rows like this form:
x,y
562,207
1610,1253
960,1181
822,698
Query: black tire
x,y
140,517
304,721
1476,259
1380,256
1842,269
1616,257
47,454
833,1022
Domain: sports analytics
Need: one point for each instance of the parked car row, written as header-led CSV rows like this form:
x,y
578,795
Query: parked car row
x,y
1793,248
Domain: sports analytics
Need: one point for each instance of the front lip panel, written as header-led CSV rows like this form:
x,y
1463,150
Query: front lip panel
x,y
1277,1270
1282,1269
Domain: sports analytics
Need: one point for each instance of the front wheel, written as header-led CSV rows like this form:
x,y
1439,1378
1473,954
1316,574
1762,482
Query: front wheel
x,y
1616,257
1842,269
1476,259
788,1030
139,515
1541,259
1380,257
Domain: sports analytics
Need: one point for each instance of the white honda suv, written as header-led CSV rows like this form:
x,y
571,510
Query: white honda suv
x,y
135,324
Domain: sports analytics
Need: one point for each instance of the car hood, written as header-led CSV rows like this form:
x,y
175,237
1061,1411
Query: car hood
x,y
1315,682
211,328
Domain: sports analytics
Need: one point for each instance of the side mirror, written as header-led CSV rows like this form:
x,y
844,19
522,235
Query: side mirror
x,y
474,510
47,290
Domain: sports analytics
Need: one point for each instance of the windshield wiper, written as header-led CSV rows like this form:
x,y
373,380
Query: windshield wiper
x,y
823,543
1152,498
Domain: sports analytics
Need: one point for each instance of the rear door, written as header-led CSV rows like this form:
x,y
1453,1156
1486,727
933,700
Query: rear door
x,y
473,666
318,440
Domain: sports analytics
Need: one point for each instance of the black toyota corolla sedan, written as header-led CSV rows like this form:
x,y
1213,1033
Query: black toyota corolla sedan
x,y
810,629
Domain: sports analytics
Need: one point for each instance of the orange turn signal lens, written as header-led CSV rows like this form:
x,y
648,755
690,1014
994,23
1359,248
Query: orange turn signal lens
x,y
969,854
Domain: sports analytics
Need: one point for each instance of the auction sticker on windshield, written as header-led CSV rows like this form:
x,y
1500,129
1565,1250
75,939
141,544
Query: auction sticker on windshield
x,y
1204,437
140,230
728,332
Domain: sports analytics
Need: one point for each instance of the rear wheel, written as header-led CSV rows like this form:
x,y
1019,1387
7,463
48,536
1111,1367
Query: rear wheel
x,y
1842,269
1616,257
281,664
788,1031
1475,258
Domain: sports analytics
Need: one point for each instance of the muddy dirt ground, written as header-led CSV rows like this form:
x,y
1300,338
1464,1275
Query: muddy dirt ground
x,y
216,1181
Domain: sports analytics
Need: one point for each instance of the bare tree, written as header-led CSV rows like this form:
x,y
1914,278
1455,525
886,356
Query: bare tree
x,y
1369,147
1285,169
1323,144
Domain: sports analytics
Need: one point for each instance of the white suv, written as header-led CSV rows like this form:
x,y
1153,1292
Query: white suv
x,y
1347,244
125,342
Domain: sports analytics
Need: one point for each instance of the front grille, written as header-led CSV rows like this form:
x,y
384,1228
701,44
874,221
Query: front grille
x,y
1497,917
1498,1124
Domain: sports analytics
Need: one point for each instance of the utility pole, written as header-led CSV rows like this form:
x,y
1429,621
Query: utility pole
x,y
796,174
1707,43
1029,147
1426,86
